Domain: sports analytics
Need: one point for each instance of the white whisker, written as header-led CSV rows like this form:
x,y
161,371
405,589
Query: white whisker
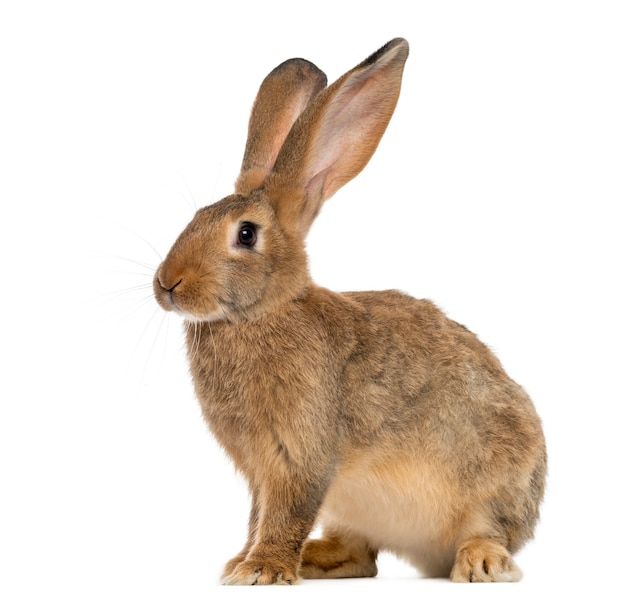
x,y
215,370
147,265
192,205
113,295
141,339
143,240
197,332
217,179
164,319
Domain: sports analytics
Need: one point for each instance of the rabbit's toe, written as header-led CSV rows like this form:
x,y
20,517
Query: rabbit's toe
x,y
483,560
253,572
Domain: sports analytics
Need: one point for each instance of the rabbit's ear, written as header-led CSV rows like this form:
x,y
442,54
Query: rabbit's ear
x,y
283,95
335,137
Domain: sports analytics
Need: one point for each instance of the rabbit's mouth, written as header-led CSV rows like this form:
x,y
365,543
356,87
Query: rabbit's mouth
x,y
167,291
180,296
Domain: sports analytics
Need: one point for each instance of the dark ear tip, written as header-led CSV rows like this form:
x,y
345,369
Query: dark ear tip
x,y
400,45
300,70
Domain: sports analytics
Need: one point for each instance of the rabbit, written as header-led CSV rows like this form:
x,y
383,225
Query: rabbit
x,y
370,415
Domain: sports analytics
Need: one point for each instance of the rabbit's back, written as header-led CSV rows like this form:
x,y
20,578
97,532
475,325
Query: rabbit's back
x,y
425,369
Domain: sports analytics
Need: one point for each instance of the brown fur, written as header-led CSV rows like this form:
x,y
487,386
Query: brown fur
x,y
371,413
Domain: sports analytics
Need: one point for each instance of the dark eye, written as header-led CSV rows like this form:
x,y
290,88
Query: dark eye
x,y
247,234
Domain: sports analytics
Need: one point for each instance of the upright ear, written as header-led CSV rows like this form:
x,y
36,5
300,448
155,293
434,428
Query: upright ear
x,y
283,95
336,136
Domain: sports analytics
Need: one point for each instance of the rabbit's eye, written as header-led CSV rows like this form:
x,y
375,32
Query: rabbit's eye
x,y
247,234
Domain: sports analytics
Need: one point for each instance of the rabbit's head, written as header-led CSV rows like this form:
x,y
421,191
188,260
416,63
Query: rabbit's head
x,y
245,254
233,261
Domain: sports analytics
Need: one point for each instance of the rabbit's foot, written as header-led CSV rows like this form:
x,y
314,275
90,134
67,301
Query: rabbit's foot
x,y
261,571
484,560
229,568
338,556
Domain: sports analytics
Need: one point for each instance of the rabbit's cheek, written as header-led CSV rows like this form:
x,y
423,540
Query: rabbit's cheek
x,y
243,287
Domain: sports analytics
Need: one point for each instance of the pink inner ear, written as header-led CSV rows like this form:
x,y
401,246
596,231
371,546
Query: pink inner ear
x,y
282,97
335,137
348,134
317,188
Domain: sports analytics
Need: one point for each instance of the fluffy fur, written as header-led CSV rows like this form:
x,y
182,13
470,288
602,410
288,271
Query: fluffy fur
x,y
371,413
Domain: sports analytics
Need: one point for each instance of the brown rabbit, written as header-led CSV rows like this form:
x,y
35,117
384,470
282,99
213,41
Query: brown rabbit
x,y
370,413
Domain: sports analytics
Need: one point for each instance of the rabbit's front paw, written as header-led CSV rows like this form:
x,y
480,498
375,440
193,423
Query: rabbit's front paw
x,y
233,563
261,571
483,560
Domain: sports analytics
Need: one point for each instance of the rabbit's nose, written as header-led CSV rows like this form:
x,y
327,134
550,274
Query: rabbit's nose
x,y
171,289
167,280
165,285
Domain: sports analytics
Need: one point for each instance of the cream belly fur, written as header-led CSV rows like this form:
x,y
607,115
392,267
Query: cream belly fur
x,y
408,510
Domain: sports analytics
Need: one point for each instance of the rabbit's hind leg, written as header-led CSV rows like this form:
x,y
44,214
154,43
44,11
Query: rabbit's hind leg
x,y
484,560
338,555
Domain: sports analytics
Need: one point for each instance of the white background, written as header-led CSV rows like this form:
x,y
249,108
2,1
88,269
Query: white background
x,y
497,191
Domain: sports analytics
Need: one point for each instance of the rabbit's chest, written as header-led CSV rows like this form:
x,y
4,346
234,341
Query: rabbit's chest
x,y
265,401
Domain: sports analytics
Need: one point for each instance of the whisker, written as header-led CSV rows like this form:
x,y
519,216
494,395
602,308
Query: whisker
x,y
148,266
196,340
217,179
214,351
193,205
112,295
164,319
148,275
193,346
141,339
189,339
124,295
143,239
134,309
